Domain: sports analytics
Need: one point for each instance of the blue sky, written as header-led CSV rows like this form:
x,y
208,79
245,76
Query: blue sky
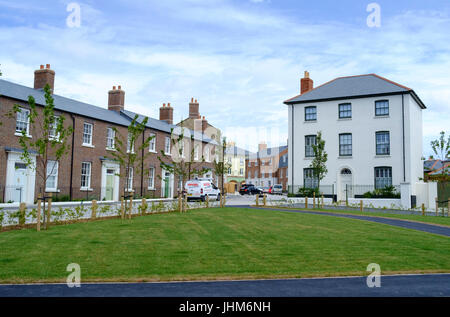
x,y
240,59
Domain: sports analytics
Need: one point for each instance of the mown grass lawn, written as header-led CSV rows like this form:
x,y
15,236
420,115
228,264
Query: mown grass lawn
x,y
218,244
439,220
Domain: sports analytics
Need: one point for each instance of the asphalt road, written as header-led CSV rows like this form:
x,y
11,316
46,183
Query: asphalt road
x,y
395,285
425,227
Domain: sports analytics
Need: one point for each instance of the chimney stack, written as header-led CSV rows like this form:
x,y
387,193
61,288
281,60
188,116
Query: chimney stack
x,y
44,76
262,146
116,99
204,124
166,113
193,109
306,83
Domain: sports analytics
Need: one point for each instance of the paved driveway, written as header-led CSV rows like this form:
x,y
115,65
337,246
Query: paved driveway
x,y
395,285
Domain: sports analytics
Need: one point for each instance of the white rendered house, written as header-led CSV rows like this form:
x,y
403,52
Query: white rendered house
x,y
372,128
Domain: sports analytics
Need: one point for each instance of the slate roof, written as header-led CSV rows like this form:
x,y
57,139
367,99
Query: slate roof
x,y
20,92
436,167
354,87
269,152
234,150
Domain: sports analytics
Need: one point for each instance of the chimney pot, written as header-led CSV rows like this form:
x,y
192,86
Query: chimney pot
x,y
43,77
116,99
306,83
120,87
168,104
192,99
195,100
166,113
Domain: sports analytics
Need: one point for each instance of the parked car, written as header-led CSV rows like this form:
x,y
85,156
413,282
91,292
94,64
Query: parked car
x,y
199,189
277,189
249,189
266,189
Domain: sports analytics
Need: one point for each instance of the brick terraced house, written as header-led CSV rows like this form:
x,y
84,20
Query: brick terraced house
x,y
87,170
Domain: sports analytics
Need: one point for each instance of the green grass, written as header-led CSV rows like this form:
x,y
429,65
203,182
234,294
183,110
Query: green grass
x,y
439,220
218,244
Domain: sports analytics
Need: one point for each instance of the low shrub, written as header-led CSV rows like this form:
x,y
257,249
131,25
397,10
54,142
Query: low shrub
x,y
386,192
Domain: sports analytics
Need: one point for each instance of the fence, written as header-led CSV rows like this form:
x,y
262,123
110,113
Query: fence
x,y
443,192
17,194
61,212
300,190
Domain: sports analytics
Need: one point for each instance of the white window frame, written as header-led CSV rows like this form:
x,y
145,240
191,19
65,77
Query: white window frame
x,y
167,145
52,129
110,139
27,122
151,177
152,143
87,134
196,152
87,176
130,180
52,171
129,144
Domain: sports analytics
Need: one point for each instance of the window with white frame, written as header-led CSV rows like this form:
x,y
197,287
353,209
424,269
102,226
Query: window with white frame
x,y
310,140
309,179
345,144
23,121
229,170
151,178
381,107
86,175
241,161
129,184
52,134
241,171
87,134
310,113
182,148
130,143
207,153
110,138
152,143
382,143
196,152
167,146
383,176
52,176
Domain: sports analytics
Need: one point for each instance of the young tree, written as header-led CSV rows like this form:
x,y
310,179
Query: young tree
x,y
318,164
129,155
49,142
441,147
220,166
182,165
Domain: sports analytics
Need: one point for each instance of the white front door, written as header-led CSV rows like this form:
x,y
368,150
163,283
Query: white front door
x,y
19,188
110,181
345,184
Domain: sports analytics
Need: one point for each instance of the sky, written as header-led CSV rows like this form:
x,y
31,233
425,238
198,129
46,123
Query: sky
x,y
240,59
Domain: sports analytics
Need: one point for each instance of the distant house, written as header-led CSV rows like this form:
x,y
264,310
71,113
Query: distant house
x,y
436,167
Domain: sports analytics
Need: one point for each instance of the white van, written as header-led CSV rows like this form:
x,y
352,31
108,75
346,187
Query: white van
x,y
199,189
277,189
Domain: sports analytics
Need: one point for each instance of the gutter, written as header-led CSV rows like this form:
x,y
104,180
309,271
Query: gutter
x,y
403,137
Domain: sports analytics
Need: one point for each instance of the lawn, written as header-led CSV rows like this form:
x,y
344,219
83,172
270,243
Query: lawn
x,y
228,243
439,220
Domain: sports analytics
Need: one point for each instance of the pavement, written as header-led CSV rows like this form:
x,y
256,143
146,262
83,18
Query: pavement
x,y
428,285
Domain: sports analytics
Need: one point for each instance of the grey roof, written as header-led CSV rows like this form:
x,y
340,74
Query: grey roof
x,y
123,118
234,150
269,152
20,92
161,125
354,87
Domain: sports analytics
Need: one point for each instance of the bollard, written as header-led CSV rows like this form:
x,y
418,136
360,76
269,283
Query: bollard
x,y
306,202
361,205
38,220
22,208
94,209
180,206
437,206
224,200
49,209
257,200
314,200
144,206
130,206
122,208
264,200
207,201
185,204
423,209
322,201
